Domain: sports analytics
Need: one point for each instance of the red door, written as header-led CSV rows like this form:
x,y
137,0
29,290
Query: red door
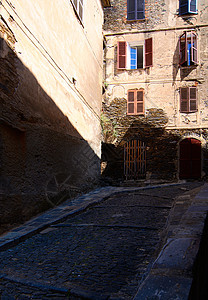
x,y
190,159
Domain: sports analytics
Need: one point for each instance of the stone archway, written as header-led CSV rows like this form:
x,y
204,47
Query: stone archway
x,y
190,159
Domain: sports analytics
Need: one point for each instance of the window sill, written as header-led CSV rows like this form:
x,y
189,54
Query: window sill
x,y
134,70
189,112
187,15
134,115
140,69
189,67
136,20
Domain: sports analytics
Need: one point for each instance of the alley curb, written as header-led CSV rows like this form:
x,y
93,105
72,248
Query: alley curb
x,y
171,274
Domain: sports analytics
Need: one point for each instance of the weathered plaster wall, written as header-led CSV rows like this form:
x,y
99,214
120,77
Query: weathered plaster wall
x,y
49,122
161,83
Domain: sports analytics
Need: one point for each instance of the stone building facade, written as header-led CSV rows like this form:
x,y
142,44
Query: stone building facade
x,y
51,56
155,106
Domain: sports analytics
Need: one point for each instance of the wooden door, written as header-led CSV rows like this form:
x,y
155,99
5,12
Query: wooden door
x,y
190,159
134,159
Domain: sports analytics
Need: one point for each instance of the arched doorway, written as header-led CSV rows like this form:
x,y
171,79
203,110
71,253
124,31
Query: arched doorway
x,y
134,159
190,159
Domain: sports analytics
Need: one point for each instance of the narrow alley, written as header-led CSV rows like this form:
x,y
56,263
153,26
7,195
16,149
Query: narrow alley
x,y
103,149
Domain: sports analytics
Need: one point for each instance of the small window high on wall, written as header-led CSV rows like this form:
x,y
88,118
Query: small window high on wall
x,y
188,49
187,7
188,99
135,102
135,9
78,6
134,55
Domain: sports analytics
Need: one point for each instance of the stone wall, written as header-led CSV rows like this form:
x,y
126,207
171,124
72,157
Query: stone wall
x,y
158,14
162,145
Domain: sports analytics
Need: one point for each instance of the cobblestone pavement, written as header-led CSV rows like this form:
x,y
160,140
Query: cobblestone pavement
x,y
103,252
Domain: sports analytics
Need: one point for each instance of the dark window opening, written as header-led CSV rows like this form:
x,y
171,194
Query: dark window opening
x,y
187,7
136,57
135,9
139,57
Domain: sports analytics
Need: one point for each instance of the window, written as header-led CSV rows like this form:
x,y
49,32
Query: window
x,y
188,49
187,7
135,102
78,6
135,9
188,99
133,56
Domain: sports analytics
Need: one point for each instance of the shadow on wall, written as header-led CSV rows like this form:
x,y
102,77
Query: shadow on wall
x,y
162,152
175,63
43,158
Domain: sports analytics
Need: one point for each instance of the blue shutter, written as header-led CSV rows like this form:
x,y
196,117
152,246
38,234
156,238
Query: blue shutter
x,y
133,58
135,9
183,7
140,9
193,6
187,7
131,9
